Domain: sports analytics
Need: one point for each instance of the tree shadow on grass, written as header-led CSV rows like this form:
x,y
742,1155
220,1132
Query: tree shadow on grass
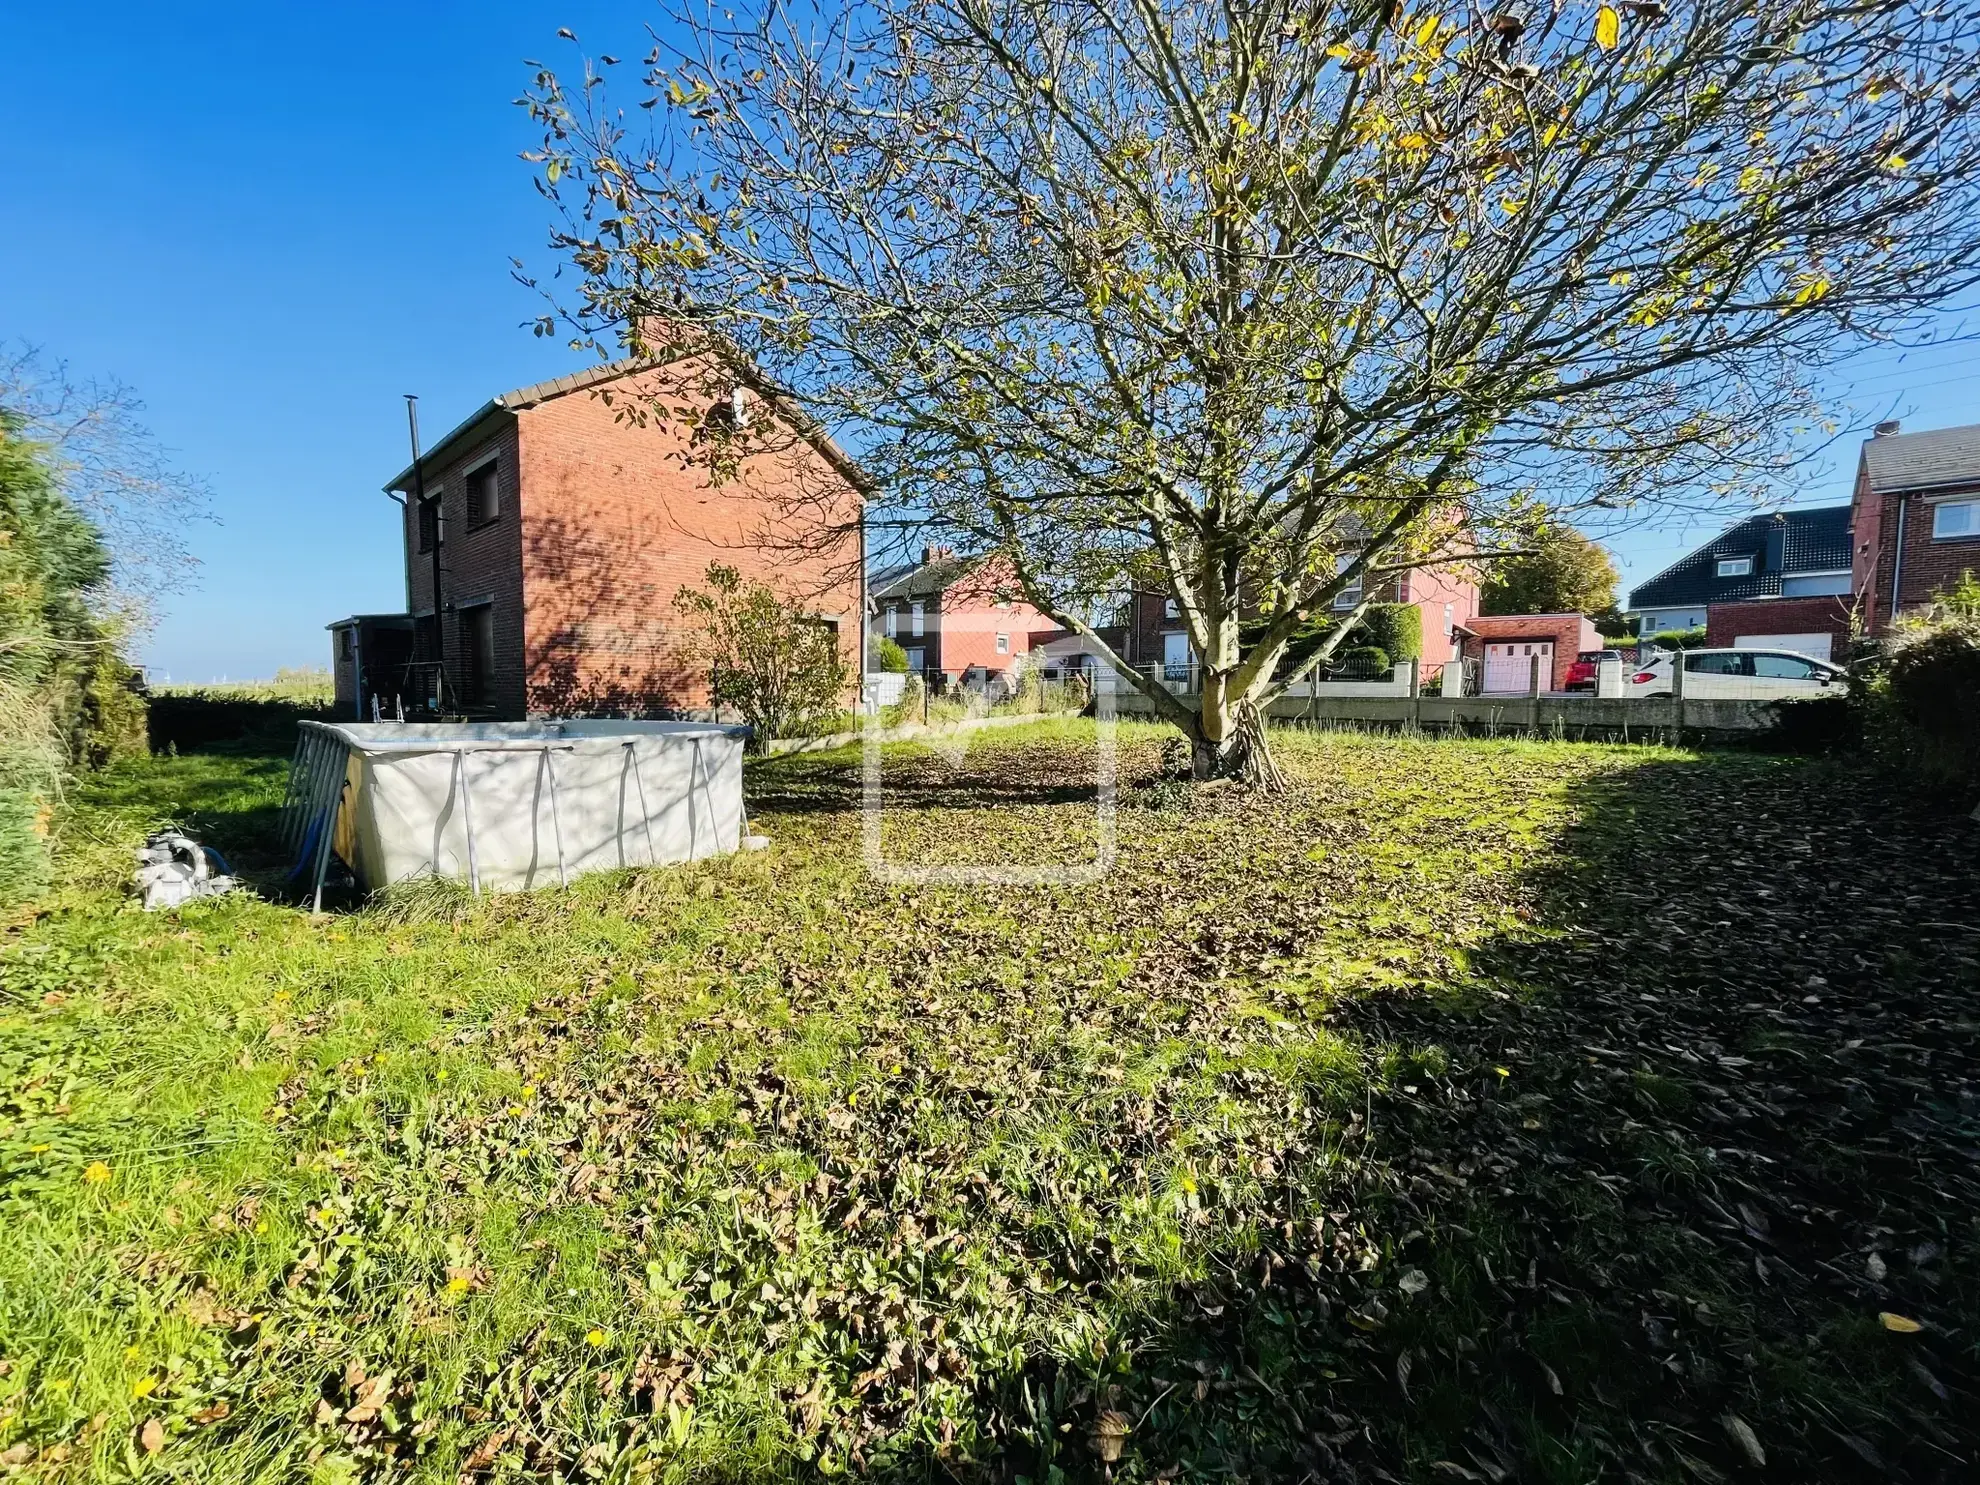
x,y
228,795
798,785
1679,1185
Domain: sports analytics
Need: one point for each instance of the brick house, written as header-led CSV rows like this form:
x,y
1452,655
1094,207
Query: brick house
x,y
1916,514
546,536
959,619
1780,580
1148,630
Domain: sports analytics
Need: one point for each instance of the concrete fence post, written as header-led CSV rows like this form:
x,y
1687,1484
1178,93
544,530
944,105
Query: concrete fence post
x,y
1677,691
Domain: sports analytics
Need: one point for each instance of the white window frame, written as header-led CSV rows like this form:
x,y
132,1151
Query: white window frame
x,y
1733,567
1003,644
1348,597
1970,510
892,620
917,617
1171,609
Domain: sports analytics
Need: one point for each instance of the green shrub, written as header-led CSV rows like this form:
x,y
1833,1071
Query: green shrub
x,y
1678,639
888,657
1396,629
191,720
1370,660
1931,684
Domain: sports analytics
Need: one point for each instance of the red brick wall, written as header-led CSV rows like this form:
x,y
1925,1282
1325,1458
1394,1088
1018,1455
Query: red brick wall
x,y
485,562
616,520
973,611
1866,524
1727,622
1570,634
1930,564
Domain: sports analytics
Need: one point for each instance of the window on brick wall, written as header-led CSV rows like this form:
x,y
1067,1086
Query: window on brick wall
x,y
1003,644
893,620
916,618
1350,596
1956,518
478,654
429,522
484,494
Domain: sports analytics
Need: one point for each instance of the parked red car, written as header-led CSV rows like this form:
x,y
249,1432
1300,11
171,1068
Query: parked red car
x,y
1581,674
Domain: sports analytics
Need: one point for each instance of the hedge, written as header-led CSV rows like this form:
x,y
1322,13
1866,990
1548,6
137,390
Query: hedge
x,y
1394,628
188,720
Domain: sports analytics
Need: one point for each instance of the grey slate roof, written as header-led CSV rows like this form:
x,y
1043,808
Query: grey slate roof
x,y
1923,460
1783,543
924,580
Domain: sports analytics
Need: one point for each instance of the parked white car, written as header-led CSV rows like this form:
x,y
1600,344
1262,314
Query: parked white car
x,y
1745,675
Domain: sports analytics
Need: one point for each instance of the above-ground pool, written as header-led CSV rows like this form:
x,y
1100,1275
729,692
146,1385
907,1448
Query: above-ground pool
x,y
507,805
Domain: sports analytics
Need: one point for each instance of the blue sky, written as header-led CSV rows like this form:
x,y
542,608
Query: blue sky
x,y
272,220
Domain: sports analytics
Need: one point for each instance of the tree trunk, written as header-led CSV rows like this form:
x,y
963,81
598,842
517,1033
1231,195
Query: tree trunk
x,y
1230,740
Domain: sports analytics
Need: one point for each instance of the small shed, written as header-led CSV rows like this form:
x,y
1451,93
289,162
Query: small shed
x,y
508,805
368,658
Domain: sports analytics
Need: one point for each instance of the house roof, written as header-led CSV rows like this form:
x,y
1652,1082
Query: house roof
x,y
560,386
926,579
1923,460
1808,541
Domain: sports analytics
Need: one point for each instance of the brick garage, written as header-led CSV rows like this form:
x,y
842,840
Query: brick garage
x,y
1728,623
1569,634
561,602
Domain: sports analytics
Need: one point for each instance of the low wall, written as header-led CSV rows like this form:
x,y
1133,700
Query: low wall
x,y
1576,715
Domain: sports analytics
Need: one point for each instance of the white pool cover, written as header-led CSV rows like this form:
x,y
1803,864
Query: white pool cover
x,y
506,805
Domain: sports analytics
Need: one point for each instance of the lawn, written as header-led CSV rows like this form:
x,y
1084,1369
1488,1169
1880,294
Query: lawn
x,y
1481,1110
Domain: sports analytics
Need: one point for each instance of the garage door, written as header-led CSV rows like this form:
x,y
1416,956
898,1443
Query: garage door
x,y
1509,666
1802,644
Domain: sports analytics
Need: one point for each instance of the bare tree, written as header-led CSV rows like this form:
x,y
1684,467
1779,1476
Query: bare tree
x,y
1292,295
114,471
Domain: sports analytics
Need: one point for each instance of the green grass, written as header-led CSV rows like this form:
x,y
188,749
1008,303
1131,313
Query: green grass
x,y
1284,1141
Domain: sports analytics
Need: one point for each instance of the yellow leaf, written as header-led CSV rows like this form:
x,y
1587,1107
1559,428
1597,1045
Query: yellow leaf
x,y
1896,162
1608,28
96,1173
1412,141
1902,1324
1427,32
144,1387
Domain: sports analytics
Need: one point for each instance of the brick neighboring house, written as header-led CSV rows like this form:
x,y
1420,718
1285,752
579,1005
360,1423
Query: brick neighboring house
x,y
1916,514
1149,631
1781,580
562,534
959,619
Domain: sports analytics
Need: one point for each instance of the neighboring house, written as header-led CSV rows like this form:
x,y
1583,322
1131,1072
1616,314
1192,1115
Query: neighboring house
x,y
547,535
1777,581
1917,518
959,619
1149,630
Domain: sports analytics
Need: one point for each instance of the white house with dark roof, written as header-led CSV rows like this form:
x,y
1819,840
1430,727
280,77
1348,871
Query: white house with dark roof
x,y
1783,555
